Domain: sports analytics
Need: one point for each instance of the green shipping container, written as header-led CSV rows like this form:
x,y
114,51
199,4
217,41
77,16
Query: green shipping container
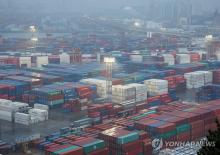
x,y
73,147
182,128
56,92
204,64
128,81
56,102
128,138
98,144
143,115
65,135
168,134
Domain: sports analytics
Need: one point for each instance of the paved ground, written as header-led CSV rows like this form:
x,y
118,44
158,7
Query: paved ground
x,y
57,120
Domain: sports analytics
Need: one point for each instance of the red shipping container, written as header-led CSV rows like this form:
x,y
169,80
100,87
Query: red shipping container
x,y
76,58
191,117
78,151
197,124
142,124
50,145
94,114
209,120
116,109
211,127
117,82
204,113
56,97
152,99
4,97
171,82
165,98
71,137
218,117
131,146
13,60
195,57
165,128
53,149
140,106
104,151
3,60
53,146
83,141
143,135
135,151
171,119
180,79
147,147
212,105
183,137
60,140
80,138
197,133
216,76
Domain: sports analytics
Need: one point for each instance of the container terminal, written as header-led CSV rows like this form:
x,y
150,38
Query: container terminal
x,y
100,85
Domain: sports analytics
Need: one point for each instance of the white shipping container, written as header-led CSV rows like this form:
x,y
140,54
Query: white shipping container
x,y
42,115
183,58
140,91
136,58
128,105
19,104
34,120
156,86
169,59
101,85
64,58
25,61
7,105
84,107
22,118
41,60
123,102
198,79
2,101
6,115
218,55
207,75
183,50
41,106
123,95
88,58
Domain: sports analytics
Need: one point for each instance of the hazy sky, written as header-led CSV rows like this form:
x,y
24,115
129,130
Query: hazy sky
x,y
94,5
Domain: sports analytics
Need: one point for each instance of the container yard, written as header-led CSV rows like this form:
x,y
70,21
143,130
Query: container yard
x,y
127,79
91,108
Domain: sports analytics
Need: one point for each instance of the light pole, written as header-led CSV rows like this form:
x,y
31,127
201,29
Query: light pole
x,y
33,29
108,64
209,46
34,38
34,41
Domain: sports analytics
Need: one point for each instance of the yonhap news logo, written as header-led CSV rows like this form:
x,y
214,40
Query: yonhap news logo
x,y
157,144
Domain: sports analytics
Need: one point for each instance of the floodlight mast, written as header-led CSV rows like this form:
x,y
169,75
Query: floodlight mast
x,y
34,38
109,61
